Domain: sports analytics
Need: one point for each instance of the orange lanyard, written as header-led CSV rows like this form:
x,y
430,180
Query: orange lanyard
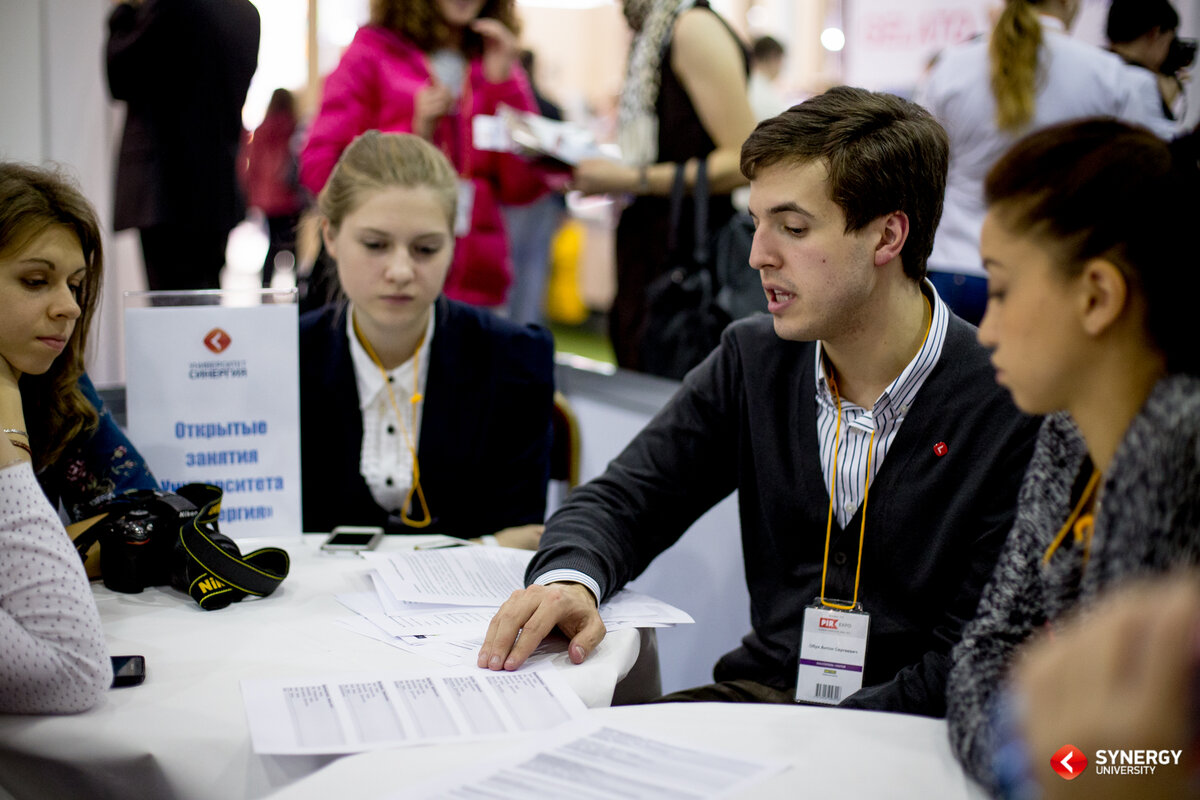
x,y
416,398
862,528
1082,524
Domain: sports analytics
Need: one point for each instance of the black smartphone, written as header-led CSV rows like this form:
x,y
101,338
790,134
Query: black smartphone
x,y
128,670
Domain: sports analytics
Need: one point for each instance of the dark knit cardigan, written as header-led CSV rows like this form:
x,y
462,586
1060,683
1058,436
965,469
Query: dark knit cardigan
x,y
1148,522
745,420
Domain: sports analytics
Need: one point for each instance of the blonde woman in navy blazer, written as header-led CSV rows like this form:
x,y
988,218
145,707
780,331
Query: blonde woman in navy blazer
x,y
479,394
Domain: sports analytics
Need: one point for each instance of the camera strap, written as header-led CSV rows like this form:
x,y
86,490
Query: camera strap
x,y
217,577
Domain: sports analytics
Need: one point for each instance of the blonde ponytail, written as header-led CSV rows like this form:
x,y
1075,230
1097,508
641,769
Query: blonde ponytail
x,y
1013,52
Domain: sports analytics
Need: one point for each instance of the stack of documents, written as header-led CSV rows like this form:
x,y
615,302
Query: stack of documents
x,y
588,760
438,603
369,711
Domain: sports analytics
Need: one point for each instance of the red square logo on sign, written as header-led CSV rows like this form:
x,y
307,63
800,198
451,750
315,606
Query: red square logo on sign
x,y
1069,762
217,340
829,622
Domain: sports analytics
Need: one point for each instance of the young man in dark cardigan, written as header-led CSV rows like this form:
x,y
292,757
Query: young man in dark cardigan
x,y
859,364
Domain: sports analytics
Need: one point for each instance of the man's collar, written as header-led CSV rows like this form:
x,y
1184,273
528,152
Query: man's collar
x,y
902,386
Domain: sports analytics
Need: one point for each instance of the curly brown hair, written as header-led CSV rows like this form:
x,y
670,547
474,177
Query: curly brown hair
x,y
422,23
33,200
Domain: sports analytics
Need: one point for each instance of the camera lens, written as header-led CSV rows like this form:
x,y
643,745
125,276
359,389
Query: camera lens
x,y
136,526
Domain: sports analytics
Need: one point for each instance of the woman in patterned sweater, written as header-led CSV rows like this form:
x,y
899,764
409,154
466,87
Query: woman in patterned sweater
x,y
1090,283
55,659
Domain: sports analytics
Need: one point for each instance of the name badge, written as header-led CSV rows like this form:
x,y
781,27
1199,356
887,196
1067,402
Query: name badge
x,y
465,207
833,649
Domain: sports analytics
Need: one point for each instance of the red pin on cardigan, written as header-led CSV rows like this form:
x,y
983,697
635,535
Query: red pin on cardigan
x,y
940,449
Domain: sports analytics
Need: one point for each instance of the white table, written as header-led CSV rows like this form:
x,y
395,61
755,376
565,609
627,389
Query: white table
x,y
833,753
183,732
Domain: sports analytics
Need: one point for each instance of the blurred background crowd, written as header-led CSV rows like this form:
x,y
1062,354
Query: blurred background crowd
x,y
565,257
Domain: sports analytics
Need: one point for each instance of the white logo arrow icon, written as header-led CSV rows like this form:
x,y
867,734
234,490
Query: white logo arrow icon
x,y
1066,762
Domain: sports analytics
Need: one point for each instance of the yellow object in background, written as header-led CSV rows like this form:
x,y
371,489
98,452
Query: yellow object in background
x,y
564,303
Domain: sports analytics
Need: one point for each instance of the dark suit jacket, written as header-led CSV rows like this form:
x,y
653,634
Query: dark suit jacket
x,y
183,67
485,426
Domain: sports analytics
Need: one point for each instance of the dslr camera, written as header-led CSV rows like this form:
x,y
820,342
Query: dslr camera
x,y
140,543
152,538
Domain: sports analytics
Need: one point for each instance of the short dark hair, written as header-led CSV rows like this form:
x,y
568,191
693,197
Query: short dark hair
x,y
764,48
1100,188
1129,19
883,153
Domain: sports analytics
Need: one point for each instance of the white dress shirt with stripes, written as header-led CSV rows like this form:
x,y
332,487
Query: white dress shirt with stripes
x,y
883,419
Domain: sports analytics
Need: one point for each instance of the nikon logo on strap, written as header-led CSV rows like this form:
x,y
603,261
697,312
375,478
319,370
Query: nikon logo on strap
x,y
209,585
215,572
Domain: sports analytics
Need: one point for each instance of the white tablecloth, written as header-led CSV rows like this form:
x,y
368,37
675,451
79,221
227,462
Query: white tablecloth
x,y
833,753
183,732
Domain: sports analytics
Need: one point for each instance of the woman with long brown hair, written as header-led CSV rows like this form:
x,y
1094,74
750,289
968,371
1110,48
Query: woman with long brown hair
x,y
51,262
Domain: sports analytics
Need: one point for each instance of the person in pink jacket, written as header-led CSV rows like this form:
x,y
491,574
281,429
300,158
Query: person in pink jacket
x,y
430,67
270,177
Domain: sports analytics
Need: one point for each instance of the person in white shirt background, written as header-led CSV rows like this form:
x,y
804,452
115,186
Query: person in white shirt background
x,y
989,92
766,63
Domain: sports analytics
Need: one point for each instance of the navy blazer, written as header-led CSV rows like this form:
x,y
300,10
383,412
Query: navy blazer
x,y
485,428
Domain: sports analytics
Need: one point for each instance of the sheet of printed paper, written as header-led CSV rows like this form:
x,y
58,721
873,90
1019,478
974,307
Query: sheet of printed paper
x,y
465,576
463,621
473,621
355,712
442,650
628,605
586,760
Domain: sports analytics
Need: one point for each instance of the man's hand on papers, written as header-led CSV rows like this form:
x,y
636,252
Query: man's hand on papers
x,y
529,615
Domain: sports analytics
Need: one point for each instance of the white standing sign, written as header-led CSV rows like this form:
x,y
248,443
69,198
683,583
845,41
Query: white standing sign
x,y
213,397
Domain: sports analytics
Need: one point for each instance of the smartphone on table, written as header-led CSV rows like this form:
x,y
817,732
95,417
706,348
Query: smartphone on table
x,y
352,539
128,670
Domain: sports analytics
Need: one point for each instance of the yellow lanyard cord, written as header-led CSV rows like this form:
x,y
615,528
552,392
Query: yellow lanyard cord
x,y
862,528
1082,524
415,489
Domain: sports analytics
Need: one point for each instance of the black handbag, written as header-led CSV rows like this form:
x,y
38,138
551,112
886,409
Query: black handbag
x,y
702,292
